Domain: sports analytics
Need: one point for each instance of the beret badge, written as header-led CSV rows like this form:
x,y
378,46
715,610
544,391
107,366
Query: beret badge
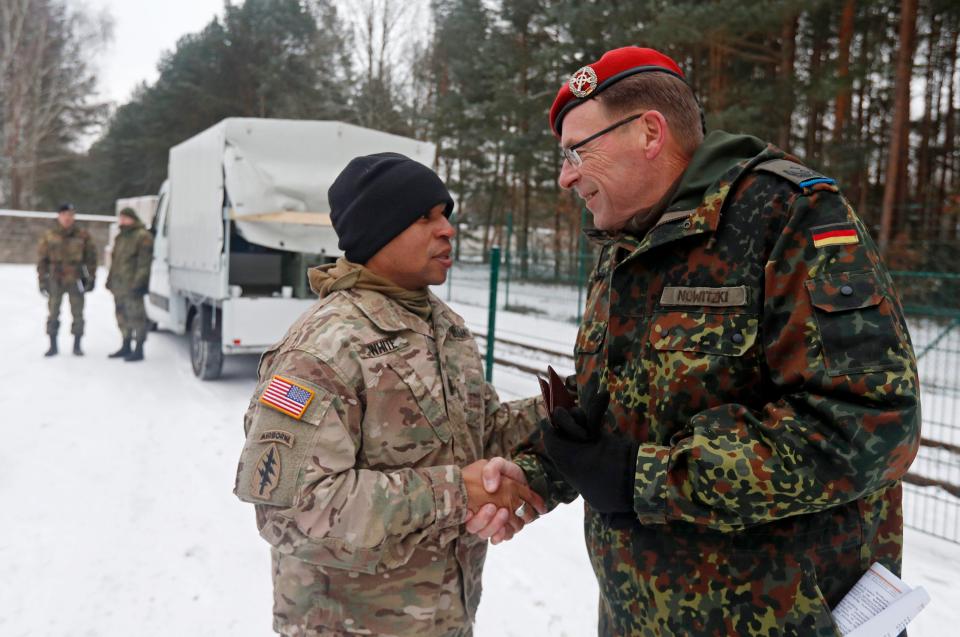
x,y
583,82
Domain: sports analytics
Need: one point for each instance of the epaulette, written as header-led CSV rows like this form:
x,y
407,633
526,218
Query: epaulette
x,y
798,174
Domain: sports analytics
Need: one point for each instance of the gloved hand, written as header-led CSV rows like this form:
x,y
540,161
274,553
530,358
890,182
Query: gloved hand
x,y
88,284
599,464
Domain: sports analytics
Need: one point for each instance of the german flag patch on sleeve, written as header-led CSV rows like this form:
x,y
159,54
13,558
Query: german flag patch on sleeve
x,y
837,234
286,396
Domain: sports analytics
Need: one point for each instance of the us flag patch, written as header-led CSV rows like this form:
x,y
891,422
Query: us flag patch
x,y
286,396
837,235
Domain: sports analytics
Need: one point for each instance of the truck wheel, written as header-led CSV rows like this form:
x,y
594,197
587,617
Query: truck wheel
x,y
205,354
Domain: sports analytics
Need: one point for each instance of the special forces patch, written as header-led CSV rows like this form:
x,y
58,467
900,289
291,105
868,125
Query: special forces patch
x,y
266,474
286,396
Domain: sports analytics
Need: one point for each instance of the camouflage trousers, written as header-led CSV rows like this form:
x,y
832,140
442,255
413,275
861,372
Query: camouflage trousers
x,y
56,291
131,315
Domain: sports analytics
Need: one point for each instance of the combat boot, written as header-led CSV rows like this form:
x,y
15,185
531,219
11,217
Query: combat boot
x,y
136,354
53,346
124,350
76,346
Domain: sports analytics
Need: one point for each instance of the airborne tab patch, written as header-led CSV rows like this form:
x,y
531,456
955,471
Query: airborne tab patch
x,y
836,234
383,346
266,475
277,435
286,396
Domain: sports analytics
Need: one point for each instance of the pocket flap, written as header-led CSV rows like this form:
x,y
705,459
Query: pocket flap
x,y
719,334
434,410
590,337
845,291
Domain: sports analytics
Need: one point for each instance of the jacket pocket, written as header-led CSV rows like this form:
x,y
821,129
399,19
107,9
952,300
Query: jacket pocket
x,y
431,406
855,323
704,333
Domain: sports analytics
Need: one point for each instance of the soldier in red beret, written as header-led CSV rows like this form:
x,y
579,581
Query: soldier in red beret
x,y
747,390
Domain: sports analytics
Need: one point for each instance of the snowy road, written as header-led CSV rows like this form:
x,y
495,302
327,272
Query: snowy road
x,y
120,518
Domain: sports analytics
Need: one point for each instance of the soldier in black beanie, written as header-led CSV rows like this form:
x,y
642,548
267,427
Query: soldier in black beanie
x,y
372,424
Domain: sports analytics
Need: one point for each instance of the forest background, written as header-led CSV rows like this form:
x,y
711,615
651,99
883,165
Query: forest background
x,y
831,81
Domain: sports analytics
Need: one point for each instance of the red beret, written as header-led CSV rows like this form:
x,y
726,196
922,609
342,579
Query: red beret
x,y
615,65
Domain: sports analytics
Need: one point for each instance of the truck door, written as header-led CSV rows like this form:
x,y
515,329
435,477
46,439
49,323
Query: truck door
x,y
160,306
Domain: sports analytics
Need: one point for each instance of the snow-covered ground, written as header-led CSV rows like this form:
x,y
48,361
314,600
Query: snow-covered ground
x,y
120,517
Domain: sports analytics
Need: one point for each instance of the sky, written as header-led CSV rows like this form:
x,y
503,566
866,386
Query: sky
x,y
143,30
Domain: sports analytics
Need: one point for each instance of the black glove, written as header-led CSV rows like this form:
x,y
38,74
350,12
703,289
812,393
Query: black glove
x,y
597,463
88,284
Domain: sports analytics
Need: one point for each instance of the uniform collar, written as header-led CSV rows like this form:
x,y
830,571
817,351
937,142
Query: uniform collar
x,y
387,314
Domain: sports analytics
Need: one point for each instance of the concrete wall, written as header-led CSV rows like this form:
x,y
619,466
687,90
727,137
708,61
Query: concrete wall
x,y
21,231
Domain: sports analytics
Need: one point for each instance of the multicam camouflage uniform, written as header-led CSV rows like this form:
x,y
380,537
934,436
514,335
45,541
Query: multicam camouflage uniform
x,y
361,496
753,343
129,278
62,256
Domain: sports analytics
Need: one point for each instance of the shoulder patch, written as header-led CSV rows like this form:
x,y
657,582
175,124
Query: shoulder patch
x,y
266,475
277,435
795,173
834,234
286,396
381,347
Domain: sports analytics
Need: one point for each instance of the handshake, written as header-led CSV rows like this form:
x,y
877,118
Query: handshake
x,y
498,499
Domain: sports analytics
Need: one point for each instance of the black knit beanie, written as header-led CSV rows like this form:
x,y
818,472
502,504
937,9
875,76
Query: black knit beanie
x,y
376,197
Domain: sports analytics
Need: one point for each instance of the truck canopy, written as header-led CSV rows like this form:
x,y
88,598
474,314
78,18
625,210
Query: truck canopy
x,y
271,178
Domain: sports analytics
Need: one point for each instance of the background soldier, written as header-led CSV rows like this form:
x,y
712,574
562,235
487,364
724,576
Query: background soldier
x,y
66,264
129,280
367,433
748,391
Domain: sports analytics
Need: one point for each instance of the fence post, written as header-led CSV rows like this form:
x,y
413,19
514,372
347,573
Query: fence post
x,y
492,313
581,263
506,259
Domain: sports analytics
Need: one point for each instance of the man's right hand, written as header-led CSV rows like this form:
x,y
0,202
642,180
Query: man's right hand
x,y
500,524
493,500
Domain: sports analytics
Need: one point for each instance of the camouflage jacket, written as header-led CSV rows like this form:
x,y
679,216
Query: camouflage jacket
x,y
753,343
62,254
130,260
357,479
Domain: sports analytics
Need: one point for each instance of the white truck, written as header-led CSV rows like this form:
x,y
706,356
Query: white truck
x,y
242,216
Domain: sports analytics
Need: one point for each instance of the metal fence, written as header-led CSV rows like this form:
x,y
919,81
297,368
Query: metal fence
x,y
932,304
554,287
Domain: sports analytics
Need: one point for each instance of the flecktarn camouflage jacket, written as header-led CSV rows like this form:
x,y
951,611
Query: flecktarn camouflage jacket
x,y
753,343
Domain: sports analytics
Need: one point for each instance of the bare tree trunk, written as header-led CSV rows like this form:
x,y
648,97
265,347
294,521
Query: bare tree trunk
x,y
788,55
901,120
842,109
948,223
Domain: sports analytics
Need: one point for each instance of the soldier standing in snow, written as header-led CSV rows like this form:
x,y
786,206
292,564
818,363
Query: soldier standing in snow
x,y
66,264
368,431
747,388
129,280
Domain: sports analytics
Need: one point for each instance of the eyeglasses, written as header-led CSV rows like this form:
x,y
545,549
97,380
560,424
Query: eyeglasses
x,y
570,152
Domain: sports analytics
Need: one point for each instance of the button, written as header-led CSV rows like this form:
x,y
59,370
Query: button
x,y
686,225
846,290
737,338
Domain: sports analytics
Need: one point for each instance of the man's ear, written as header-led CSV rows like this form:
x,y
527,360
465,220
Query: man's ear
x,y
653,133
